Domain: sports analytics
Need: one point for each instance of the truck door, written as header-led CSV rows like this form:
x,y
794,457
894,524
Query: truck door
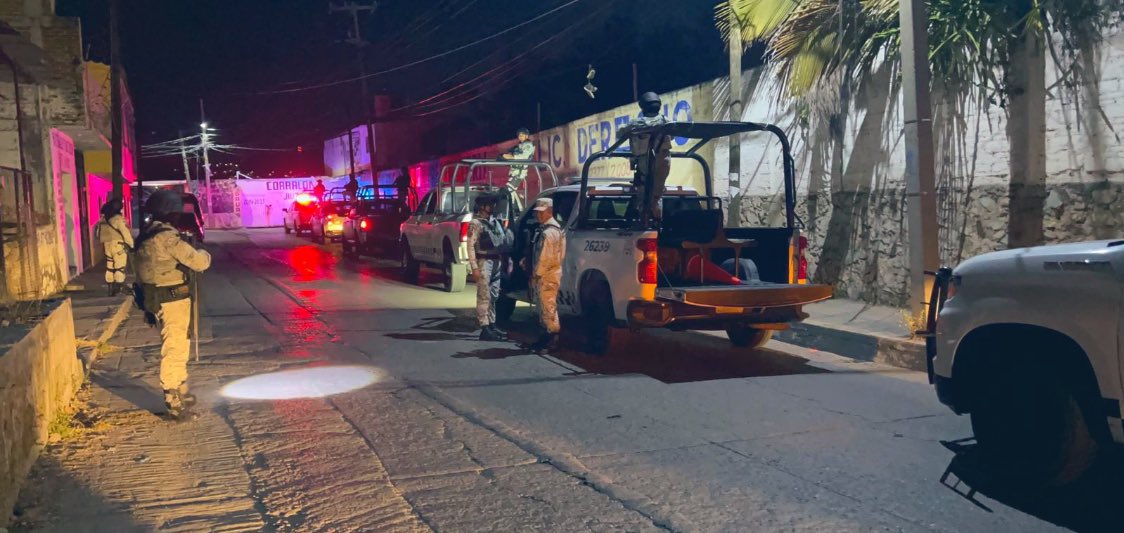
x,y
414,227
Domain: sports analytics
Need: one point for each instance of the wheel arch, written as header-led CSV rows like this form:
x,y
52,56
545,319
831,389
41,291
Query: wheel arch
x,y
588,279
988,348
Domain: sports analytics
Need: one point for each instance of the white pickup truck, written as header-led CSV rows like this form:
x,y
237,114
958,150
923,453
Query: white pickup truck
x,y
1028,341
436,233
624,272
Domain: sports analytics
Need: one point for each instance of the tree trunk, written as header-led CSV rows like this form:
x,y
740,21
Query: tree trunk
x,y
1026,132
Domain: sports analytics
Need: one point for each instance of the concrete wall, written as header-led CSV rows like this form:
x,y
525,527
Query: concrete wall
x,y
38,377
850,176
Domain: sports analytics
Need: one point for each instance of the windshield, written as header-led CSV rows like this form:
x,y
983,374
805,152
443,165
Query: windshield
x,y
451,203
615,212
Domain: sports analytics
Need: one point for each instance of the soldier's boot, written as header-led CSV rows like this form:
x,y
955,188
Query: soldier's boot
x,y
497,331
112,288
173,404
487,333
548,342
186,397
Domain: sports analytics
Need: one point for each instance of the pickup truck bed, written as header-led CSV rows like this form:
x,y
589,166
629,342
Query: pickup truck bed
x,y
755,295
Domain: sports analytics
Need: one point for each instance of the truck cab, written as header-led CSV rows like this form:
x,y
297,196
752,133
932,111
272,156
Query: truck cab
x,y
436,234
1028,343
373,225
684,271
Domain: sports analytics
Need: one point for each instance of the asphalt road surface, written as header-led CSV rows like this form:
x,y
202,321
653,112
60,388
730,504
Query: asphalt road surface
x,y
358,402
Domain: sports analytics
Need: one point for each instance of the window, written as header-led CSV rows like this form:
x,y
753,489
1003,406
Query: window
x,y
426,206
563,205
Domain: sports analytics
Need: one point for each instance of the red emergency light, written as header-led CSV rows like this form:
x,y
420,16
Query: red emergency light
x,y
305,198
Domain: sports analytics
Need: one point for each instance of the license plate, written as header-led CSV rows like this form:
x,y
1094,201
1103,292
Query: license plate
x,y
728,310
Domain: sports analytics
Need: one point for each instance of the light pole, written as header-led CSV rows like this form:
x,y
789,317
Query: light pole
x,y
920,168
206,137
733,183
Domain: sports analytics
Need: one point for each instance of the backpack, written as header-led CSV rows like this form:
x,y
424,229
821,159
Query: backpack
x,y
495,238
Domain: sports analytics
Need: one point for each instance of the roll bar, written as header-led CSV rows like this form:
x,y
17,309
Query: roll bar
x,y
459,182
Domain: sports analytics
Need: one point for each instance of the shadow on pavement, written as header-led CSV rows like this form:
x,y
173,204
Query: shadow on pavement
x,y
133,391
1092,504
54,500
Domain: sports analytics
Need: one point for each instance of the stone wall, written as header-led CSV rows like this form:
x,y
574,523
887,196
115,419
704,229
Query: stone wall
x,y
850,176
38,377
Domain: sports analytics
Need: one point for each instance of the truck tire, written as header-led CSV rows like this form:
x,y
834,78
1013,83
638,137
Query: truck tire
x,y
505,307
410,266
288,230
456,276
346,248
1031,427
601,337
747,337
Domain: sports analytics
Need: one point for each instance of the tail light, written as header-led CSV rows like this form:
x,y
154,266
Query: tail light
x,y
647,271
801,260
365,224
464,231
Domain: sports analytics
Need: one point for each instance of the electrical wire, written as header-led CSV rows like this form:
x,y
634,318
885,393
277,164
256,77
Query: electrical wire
x,y
423,60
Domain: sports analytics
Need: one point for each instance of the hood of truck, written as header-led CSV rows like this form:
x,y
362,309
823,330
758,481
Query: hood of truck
x,y
1051,257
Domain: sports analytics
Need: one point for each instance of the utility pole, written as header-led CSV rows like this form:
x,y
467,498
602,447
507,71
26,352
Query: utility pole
x,y
734,184
354,8
206,140
115,100
350,153
920,169
635,84
186,169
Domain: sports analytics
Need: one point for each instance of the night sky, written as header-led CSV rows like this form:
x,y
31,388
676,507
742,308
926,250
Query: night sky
x,y
235,54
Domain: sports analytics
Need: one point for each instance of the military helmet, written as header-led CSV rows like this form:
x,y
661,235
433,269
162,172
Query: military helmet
x,y
650,102
111,207
164,202
486,198
522,131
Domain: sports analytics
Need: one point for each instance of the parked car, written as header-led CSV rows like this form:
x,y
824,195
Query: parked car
x,y
328,218
1028,343
374,224
437,232
298,216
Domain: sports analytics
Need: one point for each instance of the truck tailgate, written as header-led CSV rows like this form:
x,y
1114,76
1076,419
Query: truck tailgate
x,y
761,295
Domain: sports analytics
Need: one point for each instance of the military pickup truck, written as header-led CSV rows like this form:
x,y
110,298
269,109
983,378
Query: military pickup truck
x,y
683,272
1028,342
437,232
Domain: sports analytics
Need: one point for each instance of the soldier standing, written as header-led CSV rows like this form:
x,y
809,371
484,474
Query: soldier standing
x,y
486,259
163,259
117,239
524,150
550,250
651,154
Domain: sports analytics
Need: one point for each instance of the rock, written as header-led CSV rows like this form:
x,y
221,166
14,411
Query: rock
x,y
987,205
1054,199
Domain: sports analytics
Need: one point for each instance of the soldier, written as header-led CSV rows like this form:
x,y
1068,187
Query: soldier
x,y
524,150
117,239
485,257
550,250
319,190
351,188
163,259
648,188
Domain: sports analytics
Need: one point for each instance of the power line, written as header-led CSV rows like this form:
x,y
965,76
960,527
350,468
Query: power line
x,y
423,60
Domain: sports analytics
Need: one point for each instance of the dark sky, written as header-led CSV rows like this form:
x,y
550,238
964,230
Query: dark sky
x,y
233,53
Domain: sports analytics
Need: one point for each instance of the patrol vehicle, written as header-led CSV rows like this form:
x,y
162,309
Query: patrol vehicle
x,y
436,235
1028,343
327,218
373,226
685,272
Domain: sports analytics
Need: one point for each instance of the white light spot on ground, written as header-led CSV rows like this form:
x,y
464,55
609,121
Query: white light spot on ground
x,y
314,382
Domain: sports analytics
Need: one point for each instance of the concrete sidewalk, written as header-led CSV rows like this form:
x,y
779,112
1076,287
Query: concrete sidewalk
x,y
96,314
860,331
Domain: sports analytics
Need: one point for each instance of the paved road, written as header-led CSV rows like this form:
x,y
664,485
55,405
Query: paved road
x,y
431,429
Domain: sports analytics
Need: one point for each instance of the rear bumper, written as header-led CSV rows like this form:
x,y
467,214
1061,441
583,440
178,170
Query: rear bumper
x,y
677,315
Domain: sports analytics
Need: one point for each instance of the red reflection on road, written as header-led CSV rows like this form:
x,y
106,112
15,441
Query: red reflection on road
x,y
311,263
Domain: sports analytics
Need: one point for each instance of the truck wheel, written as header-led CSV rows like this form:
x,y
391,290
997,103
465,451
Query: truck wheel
x,y
410,266
456,276
747,337
288,230
505,307
597,317
1030,426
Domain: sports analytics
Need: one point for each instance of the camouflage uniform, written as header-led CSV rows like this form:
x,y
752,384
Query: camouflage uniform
x,y
640,146
490,265
515,176
550,250
117,239
160,254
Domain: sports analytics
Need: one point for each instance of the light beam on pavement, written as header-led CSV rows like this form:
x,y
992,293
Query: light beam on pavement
x,y
312,382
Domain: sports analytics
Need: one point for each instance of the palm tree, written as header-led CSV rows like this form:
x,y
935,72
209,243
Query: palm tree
x,y
984,51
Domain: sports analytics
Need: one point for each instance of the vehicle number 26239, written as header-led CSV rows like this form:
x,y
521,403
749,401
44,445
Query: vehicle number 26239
x,y
597,246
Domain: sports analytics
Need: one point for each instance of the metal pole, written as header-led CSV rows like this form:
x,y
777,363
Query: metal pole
x,y
635,84
356,39
115,100
206,160
920,173
351,153
735,98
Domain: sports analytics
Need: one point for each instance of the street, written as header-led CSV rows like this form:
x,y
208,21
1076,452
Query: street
x,y
335,397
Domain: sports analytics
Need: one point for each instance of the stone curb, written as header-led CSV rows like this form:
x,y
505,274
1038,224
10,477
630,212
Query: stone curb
x,y
862,346
90,355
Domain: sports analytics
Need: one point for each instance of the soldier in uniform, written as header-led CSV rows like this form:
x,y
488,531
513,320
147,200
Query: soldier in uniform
x,y
524,150
487,265
650,174
550,250
163,259
117,239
